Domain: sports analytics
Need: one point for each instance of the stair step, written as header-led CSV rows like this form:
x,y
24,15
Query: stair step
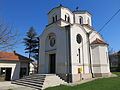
x,y
27,85
40,81
34,82
35,76
37,80
33,79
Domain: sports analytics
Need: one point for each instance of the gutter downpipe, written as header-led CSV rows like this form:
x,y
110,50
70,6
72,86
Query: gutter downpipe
x,y
69,74
88,35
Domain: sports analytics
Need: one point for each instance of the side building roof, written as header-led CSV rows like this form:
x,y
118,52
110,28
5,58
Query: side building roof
x,y
12,56
98,41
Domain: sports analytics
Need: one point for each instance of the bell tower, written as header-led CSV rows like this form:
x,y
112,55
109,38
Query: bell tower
x,y
82,17
60,15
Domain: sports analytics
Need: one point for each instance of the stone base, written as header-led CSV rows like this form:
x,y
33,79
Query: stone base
x,y
75,77
87,76
79,77
66,77
102,74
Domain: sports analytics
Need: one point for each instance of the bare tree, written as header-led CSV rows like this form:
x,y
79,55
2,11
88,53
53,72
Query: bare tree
x,y
110,50
8,39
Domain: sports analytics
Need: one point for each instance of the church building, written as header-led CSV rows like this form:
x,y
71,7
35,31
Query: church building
x,y
71,48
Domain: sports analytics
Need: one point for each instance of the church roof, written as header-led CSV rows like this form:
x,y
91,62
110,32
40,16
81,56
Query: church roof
x,y
98,41
88,26
59,7
82,12
12,56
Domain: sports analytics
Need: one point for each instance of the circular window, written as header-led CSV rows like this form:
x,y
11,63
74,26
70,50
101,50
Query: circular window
x,y
78,38
52,42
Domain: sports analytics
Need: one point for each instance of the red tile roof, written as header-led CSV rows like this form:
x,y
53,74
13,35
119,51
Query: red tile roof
x,y
115,54
12,56
98,41
35,63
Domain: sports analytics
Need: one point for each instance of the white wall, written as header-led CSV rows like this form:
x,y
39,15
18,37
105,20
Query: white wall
x,y
65,11
94,35
32,68
45,50
104,59
100,59
85,18
15,69
76,29
53,14
60,12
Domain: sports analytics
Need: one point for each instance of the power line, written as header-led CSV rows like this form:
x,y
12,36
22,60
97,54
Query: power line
x,y
107,22
104,25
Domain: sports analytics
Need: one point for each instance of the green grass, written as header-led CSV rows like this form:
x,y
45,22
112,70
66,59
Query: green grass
x,y
118,73
112,83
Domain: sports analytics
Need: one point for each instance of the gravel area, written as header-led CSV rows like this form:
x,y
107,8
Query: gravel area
x,y
6,85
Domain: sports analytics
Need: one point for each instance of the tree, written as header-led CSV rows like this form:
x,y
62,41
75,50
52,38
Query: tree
x,y
32,44
7,38
110,52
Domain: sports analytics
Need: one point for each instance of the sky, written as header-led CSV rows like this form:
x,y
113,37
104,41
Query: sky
x,y
22,14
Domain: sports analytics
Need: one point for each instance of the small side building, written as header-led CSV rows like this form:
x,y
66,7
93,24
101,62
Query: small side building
x,y
33,68
13,66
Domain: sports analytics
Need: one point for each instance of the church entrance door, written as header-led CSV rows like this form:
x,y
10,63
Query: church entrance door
x,y
52,58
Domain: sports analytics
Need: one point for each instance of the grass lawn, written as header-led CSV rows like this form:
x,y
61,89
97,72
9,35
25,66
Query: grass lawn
x,y
112,83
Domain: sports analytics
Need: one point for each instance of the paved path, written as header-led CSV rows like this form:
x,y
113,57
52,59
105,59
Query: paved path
x,y
7,85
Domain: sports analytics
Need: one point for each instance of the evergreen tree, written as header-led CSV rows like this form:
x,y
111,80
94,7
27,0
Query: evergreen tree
x,y
32,43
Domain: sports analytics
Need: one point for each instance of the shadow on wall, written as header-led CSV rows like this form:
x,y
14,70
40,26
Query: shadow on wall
x,y
15,72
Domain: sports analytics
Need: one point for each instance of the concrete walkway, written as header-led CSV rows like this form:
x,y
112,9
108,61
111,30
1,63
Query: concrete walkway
x,y
6,85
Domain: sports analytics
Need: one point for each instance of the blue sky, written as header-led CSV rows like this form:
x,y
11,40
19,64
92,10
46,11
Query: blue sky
x,y
22,14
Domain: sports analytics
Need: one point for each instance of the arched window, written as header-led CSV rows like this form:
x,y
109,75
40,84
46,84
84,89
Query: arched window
x,y
52,39
81,20
79,55
53,19
88,20
65,17
56,17
68,19
78,38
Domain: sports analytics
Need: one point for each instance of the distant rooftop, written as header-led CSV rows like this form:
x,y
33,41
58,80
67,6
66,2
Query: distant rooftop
x,y
12,56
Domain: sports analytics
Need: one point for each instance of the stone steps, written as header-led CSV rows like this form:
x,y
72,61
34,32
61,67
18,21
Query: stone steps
x,y
40,81
29,85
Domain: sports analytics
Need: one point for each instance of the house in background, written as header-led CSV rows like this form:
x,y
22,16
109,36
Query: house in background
x,y
33,67
114,61
13,65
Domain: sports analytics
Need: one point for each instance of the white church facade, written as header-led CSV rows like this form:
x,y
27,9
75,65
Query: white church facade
x,y
71,48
